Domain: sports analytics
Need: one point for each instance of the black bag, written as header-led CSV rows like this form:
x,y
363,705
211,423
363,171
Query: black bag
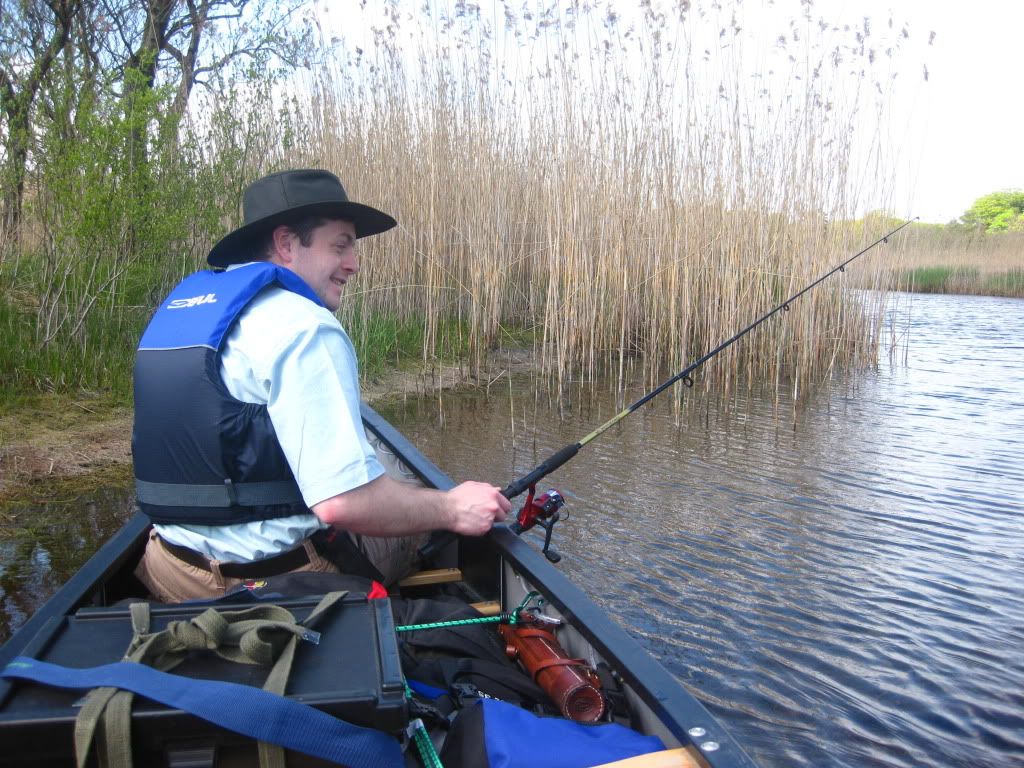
x,y
464,661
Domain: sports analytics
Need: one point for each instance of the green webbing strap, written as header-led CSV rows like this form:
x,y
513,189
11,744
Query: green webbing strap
x,y
272,755
111,707
252,636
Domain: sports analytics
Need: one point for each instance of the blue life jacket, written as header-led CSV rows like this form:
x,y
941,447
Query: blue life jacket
x,y
201,456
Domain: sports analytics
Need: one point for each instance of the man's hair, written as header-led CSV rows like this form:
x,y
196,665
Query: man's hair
x,y
302,227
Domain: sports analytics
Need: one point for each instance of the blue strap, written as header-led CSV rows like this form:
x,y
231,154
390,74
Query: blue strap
x,y
249,711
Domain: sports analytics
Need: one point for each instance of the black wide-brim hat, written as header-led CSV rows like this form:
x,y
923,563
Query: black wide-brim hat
x,y
288,196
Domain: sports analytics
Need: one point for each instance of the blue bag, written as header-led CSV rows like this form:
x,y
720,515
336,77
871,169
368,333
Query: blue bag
x,y
493,734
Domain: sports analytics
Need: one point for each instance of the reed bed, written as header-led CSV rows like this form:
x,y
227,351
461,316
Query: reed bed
x,y
953,259
633,216
615,194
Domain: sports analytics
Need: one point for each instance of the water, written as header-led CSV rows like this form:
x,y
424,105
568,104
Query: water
x,y
42,547
840,581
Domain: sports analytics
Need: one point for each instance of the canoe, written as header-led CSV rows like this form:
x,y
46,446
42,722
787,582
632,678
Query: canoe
x,y
86,624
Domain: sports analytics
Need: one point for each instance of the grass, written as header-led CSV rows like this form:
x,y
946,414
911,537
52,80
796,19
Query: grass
x,y
384,342
1009,283
56,446
963,281
63,489
939,279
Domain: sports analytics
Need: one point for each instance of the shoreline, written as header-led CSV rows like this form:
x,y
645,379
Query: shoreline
x,y
60,446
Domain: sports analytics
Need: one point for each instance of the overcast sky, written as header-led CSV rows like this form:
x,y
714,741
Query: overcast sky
x,y
963,131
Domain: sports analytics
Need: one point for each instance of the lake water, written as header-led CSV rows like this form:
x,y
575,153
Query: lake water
x,y
840,580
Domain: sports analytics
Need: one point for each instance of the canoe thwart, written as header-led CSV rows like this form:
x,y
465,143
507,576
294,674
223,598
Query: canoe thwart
x,y
488,608
438,576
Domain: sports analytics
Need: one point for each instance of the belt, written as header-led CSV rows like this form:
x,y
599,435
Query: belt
x,y
270,566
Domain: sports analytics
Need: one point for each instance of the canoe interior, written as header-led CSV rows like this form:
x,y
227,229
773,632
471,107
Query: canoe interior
x,y
500,567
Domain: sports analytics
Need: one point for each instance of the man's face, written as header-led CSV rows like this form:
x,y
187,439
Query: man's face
x,y
328,262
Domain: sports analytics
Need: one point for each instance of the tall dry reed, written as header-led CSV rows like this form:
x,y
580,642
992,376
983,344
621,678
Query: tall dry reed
x,y
630,196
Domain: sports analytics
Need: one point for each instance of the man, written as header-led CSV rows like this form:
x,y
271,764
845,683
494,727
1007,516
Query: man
x,y
250,455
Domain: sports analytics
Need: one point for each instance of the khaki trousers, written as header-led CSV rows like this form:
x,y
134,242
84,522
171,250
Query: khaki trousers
x,y
171,580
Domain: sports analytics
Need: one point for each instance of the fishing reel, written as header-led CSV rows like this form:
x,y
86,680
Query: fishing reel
x,y
542,510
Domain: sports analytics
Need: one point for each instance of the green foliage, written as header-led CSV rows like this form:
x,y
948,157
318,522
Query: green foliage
x,y
117,231
997,212
939,279
881,221
964,280
384,342
1009,283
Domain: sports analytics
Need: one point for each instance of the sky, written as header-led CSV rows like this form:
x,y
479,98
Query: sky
x,y
960,135
949,138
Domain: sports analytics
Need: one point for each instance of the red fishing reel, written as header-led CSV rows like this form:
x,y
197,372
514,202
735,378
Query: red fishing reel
x,y
542,510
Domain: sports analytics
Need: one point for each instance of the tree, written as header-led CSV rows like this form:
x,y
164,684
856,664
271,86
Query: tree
x,y
56,55
183,43
32,36
997,212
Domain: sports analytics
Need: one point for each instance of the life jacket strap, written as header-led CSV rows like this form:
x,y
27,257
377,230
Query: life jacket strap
x,y
227,494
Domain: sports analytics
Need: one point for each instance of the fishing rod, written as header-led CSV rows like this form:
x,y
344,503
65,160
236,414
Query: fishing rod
x,y
533,514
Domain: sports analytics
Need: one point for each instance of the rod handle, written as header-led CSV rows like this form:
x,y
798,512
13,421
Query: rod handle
x,y
441,539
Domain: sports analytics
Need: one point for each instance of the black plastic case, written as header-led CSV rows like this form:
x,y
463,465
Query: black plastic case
x,y
354,674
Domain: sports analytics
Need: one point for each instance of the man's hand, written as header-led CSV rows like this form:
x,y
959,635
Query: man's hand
x,y
472,508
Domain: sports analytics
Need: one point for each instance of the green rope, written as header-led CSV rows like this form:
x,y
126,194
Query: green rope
x,y
512,618
424,744
454,623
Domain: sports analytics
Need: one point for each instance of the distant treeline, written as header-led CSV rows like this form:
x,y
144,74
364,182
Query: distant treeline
x,y
614,219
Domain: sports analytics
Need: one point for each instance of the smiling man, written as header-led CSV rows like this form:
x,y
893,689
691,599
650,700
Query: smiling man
x,y
250,454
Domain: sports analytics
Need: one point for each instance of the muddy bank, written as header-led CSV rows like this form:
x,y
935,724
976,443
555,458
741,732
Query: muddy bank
x,y
54,447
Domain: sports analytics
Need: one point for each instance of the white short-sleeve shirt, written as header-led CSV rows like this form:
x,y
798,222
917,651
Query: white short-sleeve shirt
x,y
293,356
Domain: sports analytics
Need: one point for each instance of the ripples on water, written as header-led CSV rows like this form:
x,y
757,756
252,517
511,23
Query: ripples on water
x,y
841,583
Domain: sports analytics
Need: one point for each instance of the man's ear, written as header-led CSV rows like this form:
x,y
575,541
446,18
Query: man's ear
x,y
283,238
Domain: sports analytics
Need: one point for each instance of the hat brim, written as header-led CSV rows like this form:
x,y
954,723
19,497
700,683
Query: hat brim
x,y
240,246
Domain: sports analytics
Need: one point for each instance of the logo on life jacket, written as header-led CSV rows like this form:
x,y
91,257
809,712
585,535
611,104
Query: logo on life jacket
x,y
252,584
195,301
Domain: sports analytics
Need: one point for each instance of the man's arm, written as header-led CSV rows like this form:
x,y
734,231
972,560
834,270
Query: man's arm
x,y
385,507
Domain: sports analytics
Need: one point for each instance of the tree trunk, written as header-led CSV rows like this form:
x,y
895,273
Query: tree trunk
x,y
140,73
16,100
